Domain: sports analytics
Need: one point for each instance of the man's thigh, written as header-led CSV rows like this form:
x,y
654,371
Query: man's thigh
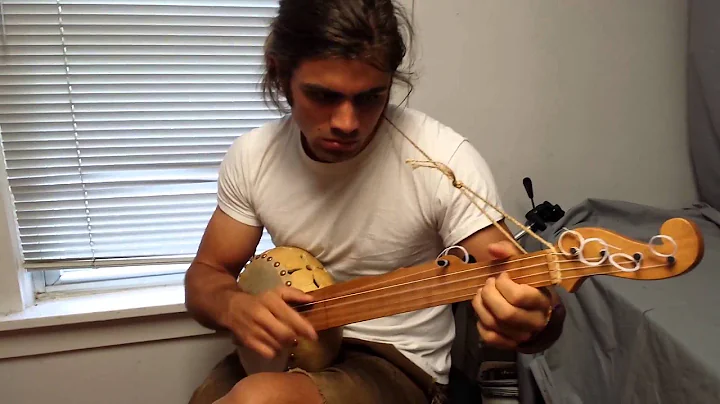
x,y
363,378
362,374
221,379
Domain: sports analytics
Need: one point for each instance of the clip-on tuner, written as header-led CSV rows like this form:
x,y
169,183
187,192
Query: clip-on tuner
x,y
539,216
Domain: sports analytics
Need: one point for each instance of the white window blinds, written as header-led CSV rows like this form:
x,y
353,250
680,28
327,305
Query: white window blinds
x,y
115,115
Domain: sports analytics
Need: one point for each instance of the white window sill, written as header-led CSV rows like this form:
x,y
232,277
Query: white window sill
x,y
80,321
63,309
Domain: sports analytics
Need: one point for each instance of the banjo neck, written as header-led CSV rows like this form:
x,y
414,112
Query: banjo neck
x,y
438,282
578,255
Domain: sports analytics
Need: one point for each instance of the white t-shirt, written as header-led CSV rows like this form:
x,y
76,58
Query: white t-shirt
x,y
365,216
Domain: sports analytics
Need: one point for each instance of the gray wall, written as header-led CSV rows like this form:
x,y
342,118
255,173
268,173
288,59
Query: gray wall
x,y
575,97
146,373
588,99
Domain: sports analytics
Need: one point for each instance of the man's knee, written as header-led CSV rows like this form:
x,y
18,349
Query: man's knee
x,y
264,388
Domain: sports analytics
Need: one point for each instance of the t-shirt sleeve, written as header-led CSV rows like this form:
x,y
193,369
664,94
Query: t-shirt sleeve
x,y
458,217
233,193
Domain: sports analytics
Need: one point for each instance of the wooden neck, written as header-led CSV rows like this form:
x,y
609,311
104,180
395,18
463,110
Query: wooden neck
x,y
418,287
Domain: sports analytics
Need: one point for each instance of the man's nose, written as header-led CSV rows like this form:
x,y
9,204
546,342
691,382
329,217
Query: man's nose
x,y
345,119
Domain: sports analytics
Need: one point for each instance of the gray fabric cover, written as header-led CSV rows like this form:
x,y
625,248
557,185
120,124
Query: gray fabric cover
x,y
629,341
704,97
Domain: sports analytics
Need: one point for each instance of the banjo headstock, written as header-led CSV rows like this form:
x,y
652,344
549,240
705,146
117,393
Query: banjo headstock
x,y
589,251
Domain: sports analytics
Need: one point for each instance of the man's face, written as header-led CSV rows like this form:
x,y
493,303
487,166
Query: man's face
x,y
337,104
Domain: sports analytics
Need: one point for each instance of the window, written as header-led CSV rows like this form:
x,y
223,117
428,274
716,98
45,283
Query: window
x,y
115,116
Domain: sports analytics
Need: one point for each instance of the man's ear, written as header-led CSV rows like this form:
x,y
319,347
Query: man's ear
x,y
271,66
280,76
286,88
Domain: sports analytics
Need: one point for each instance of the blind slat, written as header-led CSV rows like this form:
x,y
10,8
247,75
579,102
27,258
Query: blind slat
x,y
255,111
105,170
131,50
115,156
115,176
120,162
116,116
239,92
66,125
118,100
130,40
79,18
113,143
114,233
200,133
102,79
157,69
179,5
168,202
123,225
86,31
124,60
196,207
189,109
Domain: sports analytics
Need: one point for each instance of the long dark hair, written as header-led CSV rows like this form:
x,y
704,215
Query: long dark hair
x,y
375,31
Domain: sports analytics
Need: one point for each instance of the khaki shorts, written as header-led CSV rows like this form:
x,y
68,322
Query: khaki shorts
x,y
364,373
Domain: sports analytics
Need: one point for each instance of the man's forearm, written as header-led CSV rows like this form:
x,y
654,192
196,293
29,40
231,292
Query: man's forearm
x,y
207,295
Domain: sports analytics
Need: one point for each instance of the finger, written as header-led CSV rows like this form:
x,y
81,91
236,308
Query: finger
x,y
523,296
290,316
264,337
294,295
266,319
246,328
507,314
298,324
502,249
492,338
490,323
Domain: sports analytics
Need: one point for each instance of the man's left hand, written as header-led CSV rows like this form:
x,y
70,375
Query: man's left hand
x,y
509,313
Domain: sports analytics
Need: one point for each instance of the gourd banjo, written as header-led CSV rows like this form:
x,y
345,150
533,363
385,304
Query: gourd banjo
x,y
578,254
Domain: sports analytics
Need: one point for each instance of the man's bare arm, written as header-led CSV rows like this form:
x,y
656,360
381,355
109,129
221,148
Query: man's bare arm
x,y
264,323
210,282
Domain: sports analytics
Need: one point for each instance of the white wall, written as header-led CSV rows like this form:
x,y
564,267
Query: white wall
x,y
575,95
148,373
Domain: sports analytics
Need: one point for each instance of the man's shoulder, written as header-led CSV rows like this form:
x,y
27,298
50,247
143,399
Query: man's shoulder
x,y
432,136
261,138
264,135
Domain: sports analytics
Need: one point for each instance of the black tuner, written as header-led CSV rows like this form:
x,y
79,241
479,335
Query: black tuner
x,y
527,182
540,215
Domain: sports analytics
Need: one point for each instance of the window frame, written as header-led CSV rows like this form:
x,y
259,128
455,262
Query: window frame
x,y
16,284
21,288
44,282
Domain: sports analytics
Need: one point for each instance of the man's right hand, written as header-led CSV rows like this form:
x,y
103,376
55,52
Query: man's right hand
x,y
266,323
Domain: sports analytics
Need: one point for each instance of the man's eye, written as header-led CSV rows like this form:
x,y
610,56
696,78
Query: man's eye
x,y
368,99
323,97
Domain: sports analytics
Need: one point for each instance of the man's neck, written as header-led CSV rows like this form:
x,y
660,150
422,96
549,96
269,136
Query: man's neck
x,y
307,149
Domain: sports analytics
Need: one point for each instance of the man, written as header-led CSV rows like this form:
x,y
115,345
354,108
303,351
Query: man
x,y
331,177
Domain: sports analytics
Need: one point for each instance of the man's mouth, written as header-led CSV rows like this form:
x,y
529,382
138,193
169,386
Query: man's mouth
x,y
338,144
